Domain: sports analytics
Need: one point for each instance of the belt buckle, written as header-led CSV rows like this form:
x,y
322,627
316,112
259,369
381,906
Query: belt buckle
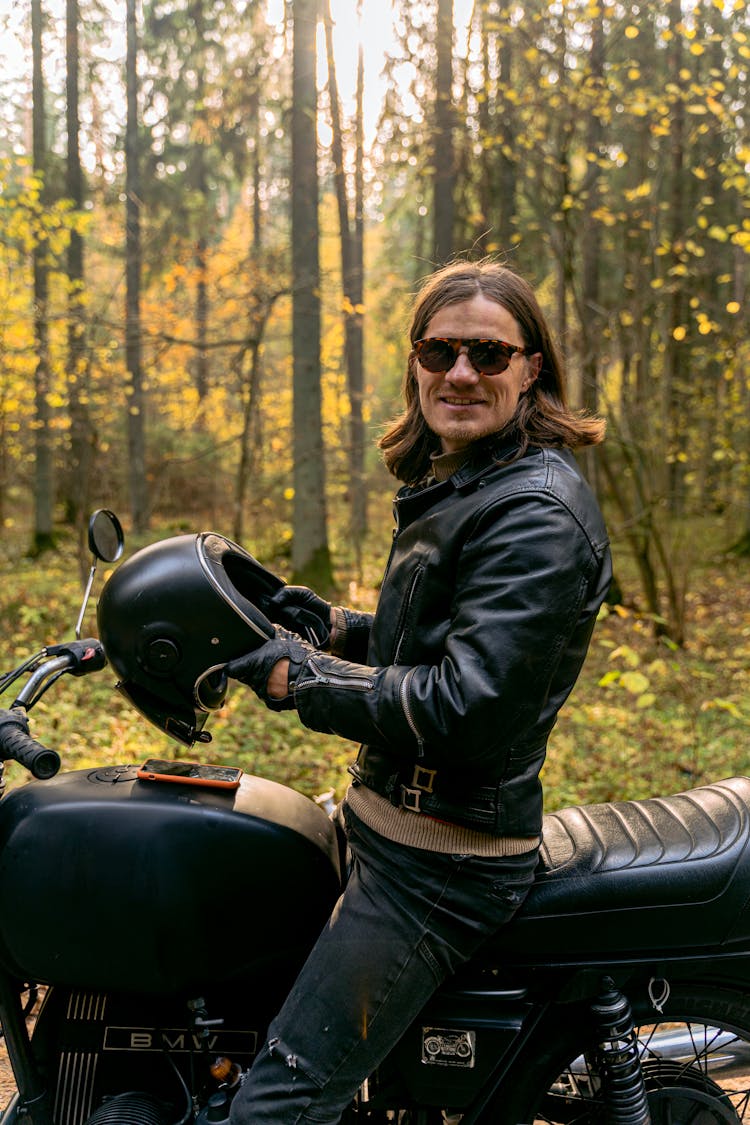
x,y
423,779
410,799
422,782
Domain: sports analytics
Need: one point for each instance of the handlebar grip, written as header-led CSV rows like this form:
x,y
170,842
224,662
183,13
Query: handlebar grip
x,y
17,744
84,656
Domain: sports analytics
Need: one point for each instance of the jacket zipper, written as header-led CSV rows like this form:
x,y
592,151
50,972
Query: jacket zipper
x,y
359,683
406,708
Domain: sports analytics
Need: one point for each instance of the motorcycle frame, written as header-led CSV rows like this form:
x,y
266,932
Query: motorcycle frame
x,y
521,1013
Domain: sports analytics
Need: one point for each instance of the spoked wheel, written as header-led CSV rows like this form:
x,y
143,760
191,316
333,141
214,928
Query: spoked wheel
x,y
695,1059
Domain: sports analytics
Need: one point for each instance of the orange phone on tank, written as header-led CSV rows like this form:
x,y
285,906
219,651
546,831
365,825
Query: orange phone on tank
x,y
190,773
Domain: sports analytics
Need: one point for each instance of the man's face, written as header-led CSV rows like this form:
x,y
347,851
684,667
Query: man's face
x,y
461,405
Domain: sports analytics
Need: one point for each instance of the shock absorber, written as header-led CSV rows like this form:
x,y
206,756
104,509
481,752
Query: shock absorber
x,y
626,1100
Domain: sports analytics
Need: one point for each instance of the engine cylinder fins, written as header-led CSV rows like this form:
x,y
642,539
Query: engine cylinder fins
x,y
132,1109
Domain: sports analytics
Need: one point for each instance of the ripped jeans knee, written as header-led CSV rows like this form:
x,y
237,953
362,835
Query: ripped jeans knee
x,y
275,1089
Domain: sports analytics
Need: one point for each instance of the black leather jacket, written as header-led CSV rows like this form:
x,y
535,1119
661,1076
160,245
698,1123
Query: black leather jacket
x,y
489,598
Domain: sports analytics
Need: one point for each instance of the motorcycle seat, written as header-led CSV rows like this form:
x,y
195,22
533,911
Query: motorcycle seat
x,y
666,873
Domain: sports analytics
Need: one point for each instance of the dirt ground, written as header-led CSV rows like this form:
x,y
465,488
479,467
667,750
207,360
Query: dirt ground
x,y
7,1085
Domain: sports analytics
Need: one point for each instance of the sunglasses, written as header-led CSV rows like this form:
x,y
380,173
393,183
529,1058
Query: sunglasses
x,y
489,357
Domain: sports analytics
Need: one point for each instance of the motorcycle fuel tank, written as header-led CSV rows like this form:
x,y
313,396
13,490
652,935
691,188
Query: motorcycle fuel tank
x,y
114,883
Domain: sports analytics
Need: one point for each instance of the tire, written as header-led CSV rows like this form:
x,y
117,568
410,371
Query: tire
x,y
695,1058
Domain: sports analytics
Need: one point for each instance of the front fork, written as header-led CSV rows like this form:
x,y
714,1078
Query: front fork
x,y
618,1060
33,1105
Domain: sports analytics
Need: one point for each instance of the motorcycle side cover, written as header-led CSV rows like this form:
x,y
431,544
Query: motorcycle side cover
x,y
107,882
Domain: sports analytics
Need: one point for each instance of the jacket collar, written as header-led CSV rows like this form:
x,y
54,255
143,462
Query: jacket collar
x,y
411,501
485,454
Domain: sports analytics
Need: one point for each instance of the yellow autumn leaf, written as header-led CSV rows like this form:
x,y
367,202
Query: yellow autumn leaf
x,y
626,653
641,191
634,682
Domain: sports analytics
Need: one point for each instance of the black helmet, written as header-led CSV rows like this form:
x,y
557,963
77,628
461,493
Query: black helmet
x,y
173,615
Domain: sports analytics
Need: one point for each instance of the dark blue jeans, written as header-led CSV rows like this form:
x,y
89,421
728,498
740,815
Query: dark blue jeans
x,y
406,920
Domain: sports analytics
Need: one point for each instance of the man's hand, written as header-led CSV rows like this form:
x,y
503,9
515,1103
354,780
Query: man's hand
x,y
301,610
272,670
277,685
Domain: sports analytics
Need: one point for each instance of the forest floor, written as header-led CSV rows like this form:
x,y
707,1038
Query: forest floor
x,y
7,1081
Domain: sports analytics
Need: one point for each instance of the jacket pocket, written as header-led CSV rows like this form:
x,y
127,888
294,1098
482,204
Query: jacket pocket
x,y
405,617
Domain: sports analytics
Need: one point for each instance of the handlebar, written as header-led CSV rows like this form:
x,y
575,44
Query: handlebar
x,y
77,658
17,744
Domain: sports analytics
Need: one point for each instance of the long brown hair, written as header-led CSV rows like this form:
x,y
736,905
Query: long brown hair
x,y
542,416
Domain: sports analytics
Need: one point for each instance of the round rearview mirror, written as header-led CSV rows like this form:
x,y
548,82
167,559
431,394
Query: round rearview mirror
x,y
106,538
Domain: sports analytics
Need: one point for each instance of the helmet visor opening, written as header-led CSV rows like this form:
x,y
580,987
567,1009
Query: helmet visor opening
x,y
251,580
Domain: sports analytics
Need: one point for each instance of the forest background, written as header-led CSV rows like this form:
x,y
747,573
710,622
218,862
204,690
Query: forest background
x,y
207,258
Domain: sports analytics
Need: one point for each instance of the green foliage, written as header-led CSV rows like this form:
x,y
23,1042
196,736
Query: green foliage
x,y
645,717
648,717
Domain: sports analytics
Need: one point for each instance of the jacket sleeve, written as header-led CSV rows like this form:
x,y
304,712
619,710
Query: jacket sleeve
x,y
528,587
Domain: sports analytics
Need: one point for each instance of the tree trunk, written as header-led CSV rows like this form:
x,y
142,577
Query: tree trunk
x,y
43,536
675,349
351,235
201,314
311,561
357,375
249,399
81,431
200,186
250,374
590,315
506,195
560,232
443,155
136,427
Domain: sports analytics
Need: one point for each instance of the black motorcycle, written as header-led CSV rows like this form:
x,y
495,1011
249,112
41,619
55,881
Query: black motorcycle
x,y
150,927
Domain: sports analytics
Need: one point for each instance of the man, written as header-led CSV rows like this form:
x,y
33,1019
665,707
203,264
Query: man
x,y
499,565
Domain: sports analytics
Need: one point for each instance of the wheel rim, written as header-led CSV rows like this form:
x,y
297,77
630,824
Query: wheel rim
x,y
696,1071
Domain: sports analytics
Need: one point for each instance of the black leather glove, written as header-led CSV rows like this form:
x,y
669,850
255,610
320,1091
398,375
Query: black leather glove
x,y
302,611
255,667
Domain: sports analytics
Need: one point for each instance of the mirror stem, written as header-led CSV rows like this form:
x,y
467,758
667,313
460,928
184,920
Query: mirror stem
x,y
86,595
